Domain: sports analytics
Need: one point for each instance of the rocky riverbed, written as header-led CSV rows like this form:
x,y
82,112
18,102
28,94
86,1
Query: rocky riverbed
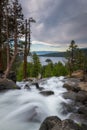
x,y
77,107
77,93
27,104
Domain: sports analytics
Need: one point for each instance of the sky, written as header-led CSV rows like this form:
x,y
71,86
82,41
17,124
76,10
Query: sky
x,y
57,23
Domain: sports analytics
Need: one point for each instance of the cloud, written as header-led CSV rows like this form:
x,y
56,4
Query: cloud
x,y
42,46
58,21
45,43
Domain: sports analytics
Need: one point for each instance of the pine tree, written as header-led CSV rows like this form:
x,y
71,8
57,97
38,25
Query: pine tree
x,y
71,56
48,70
76,58
2,33
14,25
36,65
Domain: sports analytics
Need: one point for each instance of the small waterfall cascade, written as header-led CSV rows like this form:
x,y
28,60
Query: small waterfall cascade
x,y
25,109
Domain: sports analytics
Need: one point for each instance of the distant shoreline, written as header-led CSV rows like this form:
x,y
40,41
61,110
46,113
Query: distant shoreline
x,y
55,53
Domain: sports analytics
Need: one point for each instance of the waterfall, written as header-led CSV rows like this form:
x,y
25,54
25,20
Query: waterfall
x,y
26,109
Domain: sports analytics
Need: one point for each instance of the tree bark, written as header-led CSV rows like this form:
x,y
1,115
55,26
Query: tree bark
x,y
25,54
0,39
1,66
10,66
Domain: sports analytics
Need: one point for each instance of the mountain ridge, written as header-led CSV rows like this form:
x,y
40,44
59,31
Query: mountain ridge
x,y
55,53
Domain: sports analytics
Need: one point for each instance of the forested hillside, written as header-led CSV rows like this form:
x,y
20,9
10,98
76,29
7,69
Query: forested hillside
x,y
60,54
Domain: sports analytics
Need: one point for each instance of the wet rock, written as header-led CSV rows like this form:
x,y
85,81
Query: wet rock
x,y
54,123
85,103
66,125
83,127
49,123
82,110
68,108
71,86
36,84
29,85
6,84
69,125
81,118
81,96
70,95
75,84
47,93
41,88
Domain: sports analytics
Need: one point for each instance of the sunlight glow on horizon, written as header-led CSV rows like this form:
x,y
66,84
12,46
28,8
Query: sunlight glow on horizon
x,y
47,46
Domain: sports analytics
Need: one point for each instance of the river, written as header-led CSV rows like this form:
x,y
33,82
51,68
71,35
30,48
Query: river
x,y
26,109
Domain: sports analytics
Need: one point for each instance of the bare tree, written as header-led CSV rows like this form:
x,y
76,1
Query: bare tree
x,y
27,44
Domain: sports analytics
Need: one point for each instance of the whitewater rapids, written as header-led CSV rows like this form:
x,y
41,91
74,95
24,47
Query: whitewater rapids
x,y
26,109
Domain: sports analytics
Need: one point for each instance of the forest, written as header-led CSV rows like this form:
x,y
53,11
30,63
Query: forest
x,y
13,26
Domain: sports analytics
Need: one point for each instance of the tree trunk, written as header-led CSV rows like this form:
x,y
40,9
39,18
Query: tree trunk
x,y
25,54
1,64
0,44
7,33
10,66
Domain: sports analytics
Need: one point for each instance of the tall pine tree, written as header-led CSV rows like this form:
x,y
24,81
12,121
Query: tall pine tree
x,y
14,23
2,32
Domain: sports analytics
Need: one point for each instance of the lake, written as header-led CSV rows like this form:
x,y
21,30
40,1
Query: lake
x,y
53,59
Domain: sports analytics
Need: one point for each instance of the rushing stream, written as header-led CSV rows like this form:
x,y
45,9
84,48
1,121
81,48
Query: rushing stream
x,y
26,109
